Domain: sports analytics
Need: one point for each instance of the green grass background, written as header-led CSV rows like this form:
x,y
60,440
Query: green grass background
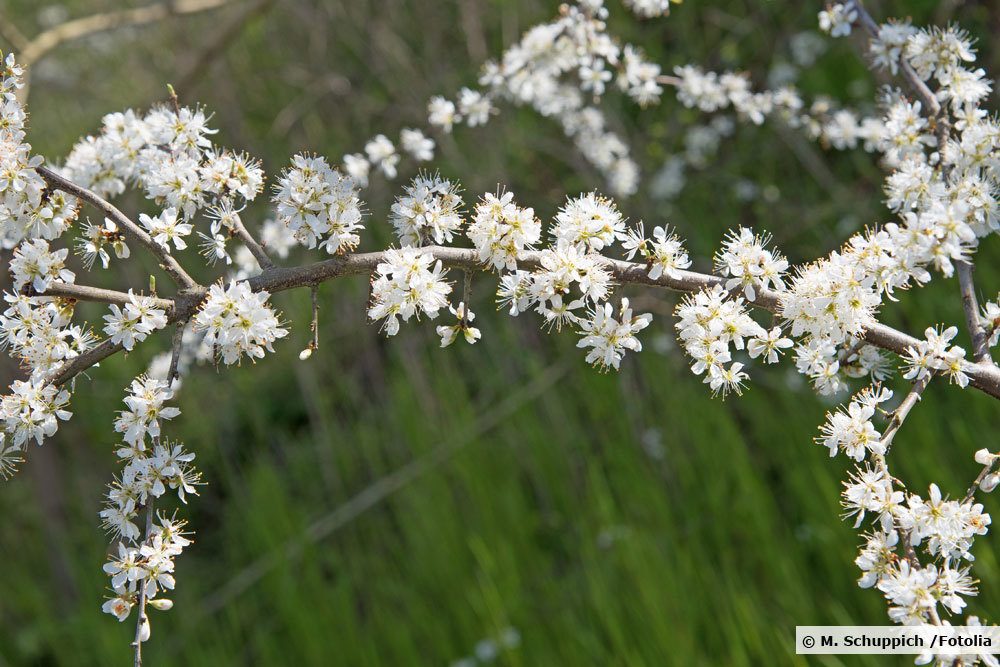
x,y
390,503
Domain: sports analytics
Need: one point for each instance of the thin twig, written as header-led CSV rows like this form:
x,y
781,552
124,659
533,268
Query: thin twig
x,y
255,248
176,346
466,297
987,469
314,326
104,21
900,414
12,34
137,644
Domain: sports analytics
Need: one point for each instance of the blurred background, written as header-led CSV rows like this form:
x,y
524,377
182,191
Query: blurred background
x,y
388,502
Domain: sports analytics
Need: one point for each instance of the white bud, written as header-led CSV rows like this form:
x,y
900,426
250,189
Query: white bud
x,y
984,457
305,354
161,604
144,629
990,482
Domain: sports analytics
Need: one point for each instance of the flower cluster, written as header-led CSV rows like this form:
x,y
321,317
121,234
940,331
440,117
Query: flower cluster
x,y
169,154
744,256
28,210
851,431
840,128
139,318
837,19
934,354
649,8
32,410
143,566
501,230
237,321
609,337
664,253
557,68
589,221
34,264
567,279
406,283
428,211
39,332
381,153
711,325
315,201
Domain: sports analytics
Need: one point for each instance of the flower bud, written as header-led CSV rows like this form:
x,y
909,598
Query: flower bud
x,y
305,354
161,604
990,482
984,457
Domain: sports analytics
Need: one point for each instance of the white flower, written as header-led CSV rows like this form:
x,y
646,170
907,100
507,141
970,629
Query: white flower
x,y
475,108
34,263
416,144
442,113
877,557
237,321
145,410
744,256
382,153
407,282
465,318
429,210
837,19
118,607
851,430
769,345
165,228
869,490
139,318
665,252
93,240
589,221
710,322
33,409
501,230
609,337
935,354
213,248
315,201
357,167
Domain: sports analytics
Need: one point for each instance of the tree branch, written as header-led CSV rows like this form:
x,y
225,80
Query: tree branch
x,y
167,261
982,376
89,25
255,248
980,347
12,34
900,414
985,377
97,294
